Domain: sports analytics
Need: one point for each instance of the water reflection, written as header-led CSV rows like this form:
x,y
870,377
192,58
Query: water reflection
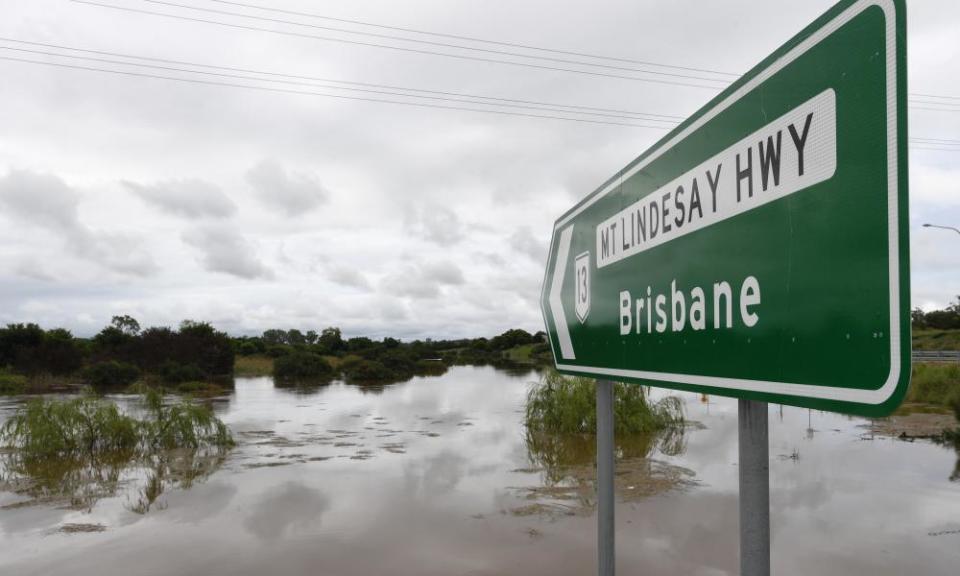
x,y
78,483
566,463
286,509
436,476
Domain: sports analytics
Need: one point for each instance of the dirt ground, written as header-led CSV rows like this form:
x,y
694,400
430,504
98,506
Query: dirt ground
x,y
915,421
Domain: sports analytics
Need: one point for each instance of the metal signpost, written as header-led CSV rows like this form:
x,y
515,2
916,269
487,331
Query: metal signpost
x,y
759,250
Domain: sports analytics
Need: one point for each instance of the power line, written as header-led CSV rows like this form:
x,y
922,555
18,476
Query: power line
x,y
927,108
950,141
933,149
426,42
936,96
453,36
397,48
475,39
916,143
308,84
640,115
308,93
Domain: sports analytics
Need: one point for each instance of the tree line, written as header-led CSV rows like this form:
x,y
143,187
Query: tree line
x,y
946,319
123,353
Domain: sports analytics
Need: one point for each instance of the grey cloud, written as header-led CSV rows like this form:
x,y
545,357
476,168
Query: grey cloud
x,y
225,250
285,510
46,201
32,269
393,309
442,273
189,198
437,224
423,281
522,240
348,276
287,192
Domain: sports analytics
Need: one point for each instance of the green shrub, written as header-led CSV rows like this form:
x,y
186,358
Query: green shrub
x,y
934,383
12,384
110,374
278,350
367,371
174,373
301,367
560,404
954,403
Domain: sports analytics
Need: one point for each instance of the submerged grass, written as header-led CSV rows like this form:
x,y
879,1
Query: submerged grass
x,y
80,449
90,427
567,405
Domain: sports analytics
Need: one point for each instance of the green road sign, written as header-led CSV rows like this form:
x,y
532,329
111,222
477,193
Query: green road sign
x,y
760,250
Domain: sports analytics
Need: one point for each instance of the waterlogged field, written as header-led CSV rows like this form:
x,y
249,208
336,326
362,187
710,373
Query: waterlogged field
x,y
436,476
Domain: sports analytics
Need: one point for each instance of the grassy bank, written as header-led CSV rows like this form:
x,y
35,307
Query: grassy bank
x,y
937,384
928,339
251,366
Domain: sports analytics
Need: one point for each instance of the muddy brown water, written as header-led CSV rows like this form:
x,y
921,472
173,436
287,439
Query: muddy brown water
x,y
436,476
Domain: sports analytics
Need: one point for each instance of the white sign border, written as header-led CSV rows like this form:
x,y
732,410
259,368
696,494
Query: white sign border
x,y
811,391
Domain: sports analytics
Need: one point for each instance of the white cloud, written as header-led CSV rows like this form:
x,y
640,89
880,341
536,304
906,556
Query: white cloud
x,y
225,250
436,223
189,198
523,241
348,276
422,281
291,193
440,218
47,202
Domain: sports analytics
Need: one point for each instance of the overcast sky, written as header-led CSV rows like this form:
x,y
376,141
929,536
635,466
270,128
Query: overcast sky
x,y
254,209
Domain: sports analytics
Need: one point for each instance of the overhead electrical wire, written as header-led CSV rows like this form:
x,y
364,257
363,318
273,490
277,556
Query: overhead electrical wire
x,y
322,94
639,115
398,48
443,35
474,39
426,42
918,143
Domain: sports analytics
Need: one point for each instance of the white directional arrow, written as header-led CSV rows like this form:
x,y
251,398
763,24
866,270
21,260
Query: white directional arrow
x,y
556,304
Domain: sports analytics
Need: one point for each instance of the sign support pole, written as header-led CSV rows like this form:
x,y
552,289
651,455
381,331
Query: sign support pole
x,y
754,488
605,468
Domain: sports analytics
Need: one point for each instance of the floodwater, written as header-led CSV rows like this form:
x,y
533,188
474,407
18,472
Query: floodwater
x,y
436,476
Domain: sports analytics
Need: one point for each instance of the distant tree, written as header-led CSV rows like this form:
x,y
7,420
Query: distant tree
x,y
510,339
918,318
126,324
59,354
332,340
946,319
296,337
274,336
17,337
359,344
312,337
